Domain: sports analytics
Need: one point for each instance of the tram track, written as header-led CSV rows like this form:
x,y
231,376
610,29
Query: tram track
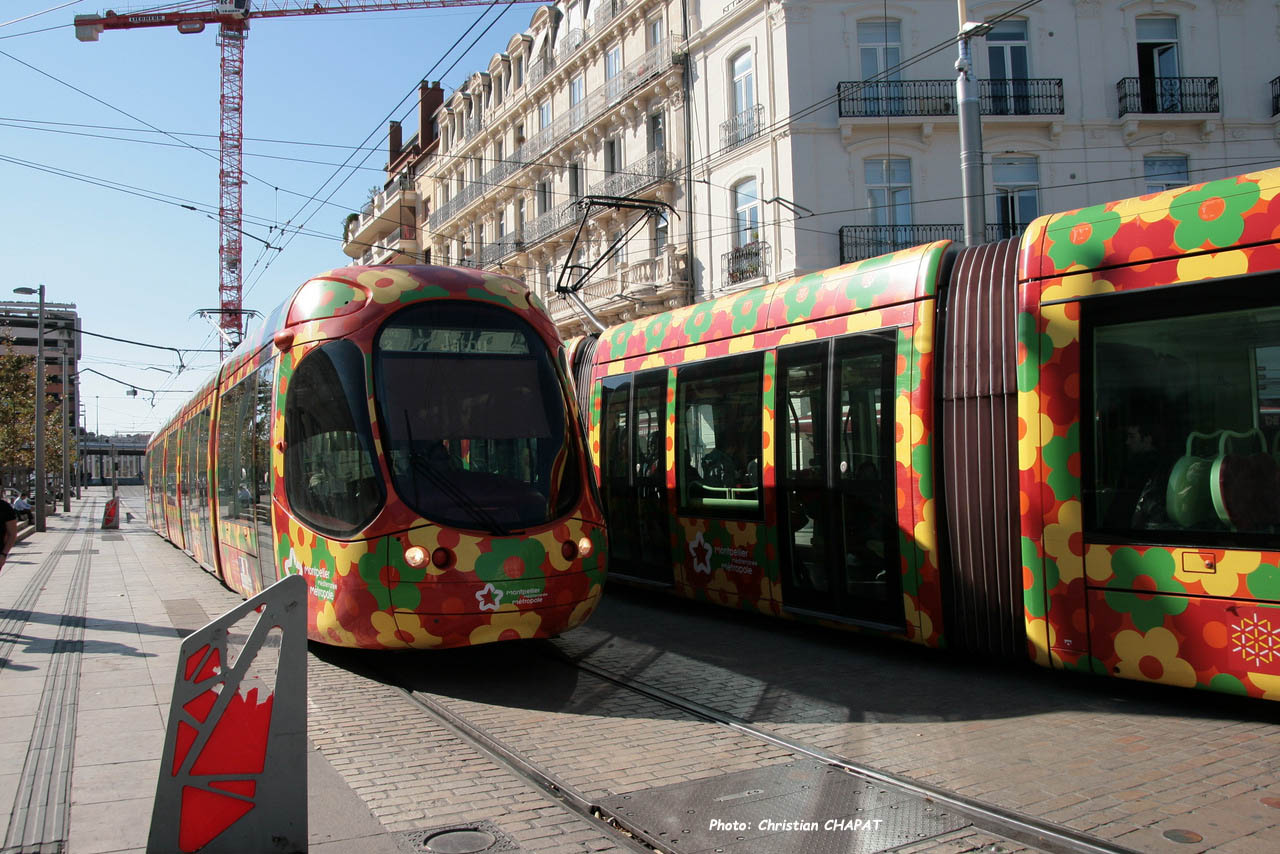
x,y
604,796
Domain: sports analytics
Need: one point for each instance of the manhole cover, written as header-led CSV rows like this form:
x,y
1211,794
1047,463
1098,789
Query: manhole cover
x,y
474,837
459,842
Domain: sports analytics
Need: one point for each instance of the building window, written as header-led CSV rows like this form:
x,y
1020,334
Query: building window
x,y
1158,84
660,233
500,226
612,156
1164,172
520,219
612,62
1008,68
1016,182
544,115
657,133
543,192
744,95
519,71
497,91
879,54
577,90
653,33
575,180
889,190
746,213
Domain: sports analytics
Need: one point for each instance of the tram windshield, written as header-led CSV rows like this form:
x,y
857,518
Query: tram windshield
x,y
473,416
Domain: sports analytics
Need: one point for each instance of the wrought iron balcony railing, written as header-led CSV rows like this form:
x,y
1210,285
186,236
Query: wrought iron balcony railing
x,y
745,263
867,241
1167,95
742,127
657,166
996,97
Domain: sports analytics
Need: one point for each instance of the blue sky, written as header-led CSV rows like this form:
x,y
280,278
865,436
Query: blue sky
x,y
138,268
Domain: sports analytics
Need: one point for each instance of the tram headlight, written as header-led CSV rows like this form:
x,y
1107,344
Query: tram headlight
x,y
415,556
584,547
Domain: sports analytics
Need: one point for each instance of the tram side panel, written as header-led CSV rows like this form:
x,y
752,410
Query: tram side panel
x,y
798,452
1149,409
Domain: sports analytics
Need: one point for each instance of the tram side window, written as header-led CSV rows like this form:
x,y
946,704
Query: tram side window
x,y
718,427
1186,429
235,454
330,473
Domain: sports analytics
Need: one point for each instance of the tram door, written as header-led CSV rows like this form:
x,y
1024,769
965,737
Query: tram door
x,y
837,513
633,468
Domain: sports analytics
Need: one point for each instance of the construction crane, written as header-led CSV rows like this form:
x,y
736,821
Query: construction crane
x,y
232,18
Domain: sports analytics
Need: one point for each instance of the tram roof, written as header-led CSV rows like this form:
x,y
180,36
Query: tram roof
x,y
873,283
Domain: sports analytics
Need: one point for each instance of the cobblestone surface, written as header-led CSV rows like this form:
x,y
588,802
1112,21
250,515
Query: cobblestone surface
x,y
1140,765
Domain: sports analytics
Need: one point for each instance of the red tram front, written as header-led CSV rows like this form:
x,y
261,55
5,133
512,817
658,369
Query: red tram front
x,y
404,438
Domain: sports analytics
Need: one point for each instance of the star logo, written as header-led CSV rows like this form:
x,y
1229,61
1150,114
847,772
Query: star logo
x,y
701,553
489,598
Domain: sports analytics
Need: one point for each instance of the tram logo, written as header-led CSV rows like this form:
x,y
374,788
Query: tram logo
x,y
1256,641
701,553
489,598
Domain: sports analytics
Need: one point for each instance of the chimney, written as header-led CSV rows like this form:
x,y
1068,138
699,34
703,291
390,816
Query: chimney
x,y
430,97
393,143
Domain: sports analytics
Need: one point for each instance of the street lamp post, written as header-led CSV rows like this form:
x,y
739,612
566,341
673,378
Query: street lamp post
x,y
40,495
66,439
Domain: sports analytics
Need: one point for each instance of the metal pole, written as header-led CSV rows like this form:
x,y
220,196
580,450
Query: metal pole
x,y
971,178
66,439
40,415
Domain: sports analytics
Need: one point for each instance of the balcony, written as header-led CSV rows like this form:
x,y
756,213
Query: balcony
x,y
381,213
657,166
403,240
996,97
633,288
1167,95
552,221
745,263
597,102
867,241
742,127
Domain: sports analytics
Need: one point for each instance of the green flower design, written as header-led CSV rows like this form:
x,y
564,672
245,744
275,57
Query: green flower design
x,y
871,279
1033,598
655,331
617,340
699,322
512,559
1129,568
1213,214
1057,456
800,298
1081,237
744,310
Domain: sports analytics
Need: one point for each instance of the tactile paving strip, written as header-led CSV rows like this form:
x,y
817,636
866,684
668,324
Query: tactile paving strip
x,y
805,807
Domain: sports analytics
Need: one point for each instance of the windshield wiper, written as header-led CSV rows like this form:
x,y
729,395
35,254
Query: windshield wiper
x,y
448,487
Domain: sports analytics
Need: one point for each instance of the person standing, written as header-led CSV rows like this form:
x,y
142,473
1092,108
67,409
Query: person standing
x,y
8,531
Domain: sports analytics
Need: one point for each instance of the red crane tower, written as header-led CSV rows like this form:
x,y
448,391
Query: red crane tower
x,y
232,18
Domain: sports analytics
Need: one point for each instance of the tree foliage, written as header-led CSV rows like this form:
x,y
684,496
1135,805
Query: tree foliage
x,y
17,415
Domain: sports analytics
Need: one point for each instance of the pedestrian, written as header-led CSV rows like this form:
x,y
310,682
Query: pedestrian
x,y
8,530
22,507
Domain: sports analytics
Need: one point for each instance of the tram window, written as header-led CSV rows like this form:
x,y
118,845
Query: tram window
x,y
718,429
330,473
235,454
617,433
473,411
1186,425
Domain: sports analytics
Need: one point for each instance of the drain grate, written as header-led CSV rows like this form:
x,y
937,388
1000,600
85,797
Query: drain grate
x,y
805,807
477,837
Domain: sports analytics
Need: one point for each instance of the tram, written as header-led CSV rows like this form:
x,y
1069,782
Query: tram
x,y
407,439
1061,446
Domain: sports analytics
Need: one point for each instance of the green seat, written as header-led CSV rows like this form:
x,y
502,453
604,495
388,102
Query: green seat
x,y
1189,498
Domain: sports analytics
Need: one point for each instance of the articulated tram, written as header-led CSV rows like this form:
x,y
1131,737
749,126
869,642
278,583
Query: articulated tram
x,y
406,438
1063,446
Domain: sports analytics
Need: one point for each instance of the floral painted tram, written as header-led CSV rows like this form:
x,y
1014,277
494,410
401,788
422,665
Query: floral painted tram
x,y
405,438
1063,447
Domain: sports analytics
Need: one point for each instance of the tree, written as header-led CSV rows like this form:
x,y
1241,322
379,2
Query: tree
x,y
17,419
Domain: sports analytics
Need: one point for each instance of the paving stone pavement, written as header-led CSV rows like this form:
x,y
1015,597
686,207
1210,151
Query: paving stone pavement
x,y
1139,765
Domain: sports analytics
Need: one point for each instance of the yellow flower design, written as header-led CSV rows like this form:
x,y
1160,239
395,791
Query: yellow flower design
x,y
1057,542
1215,265
1153,657
1062,329
1227,574
509,289
721,590
863,321
387,284
586,607
1077,286
797,334
1097,564
742,344
507,620
1038,637
327,624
